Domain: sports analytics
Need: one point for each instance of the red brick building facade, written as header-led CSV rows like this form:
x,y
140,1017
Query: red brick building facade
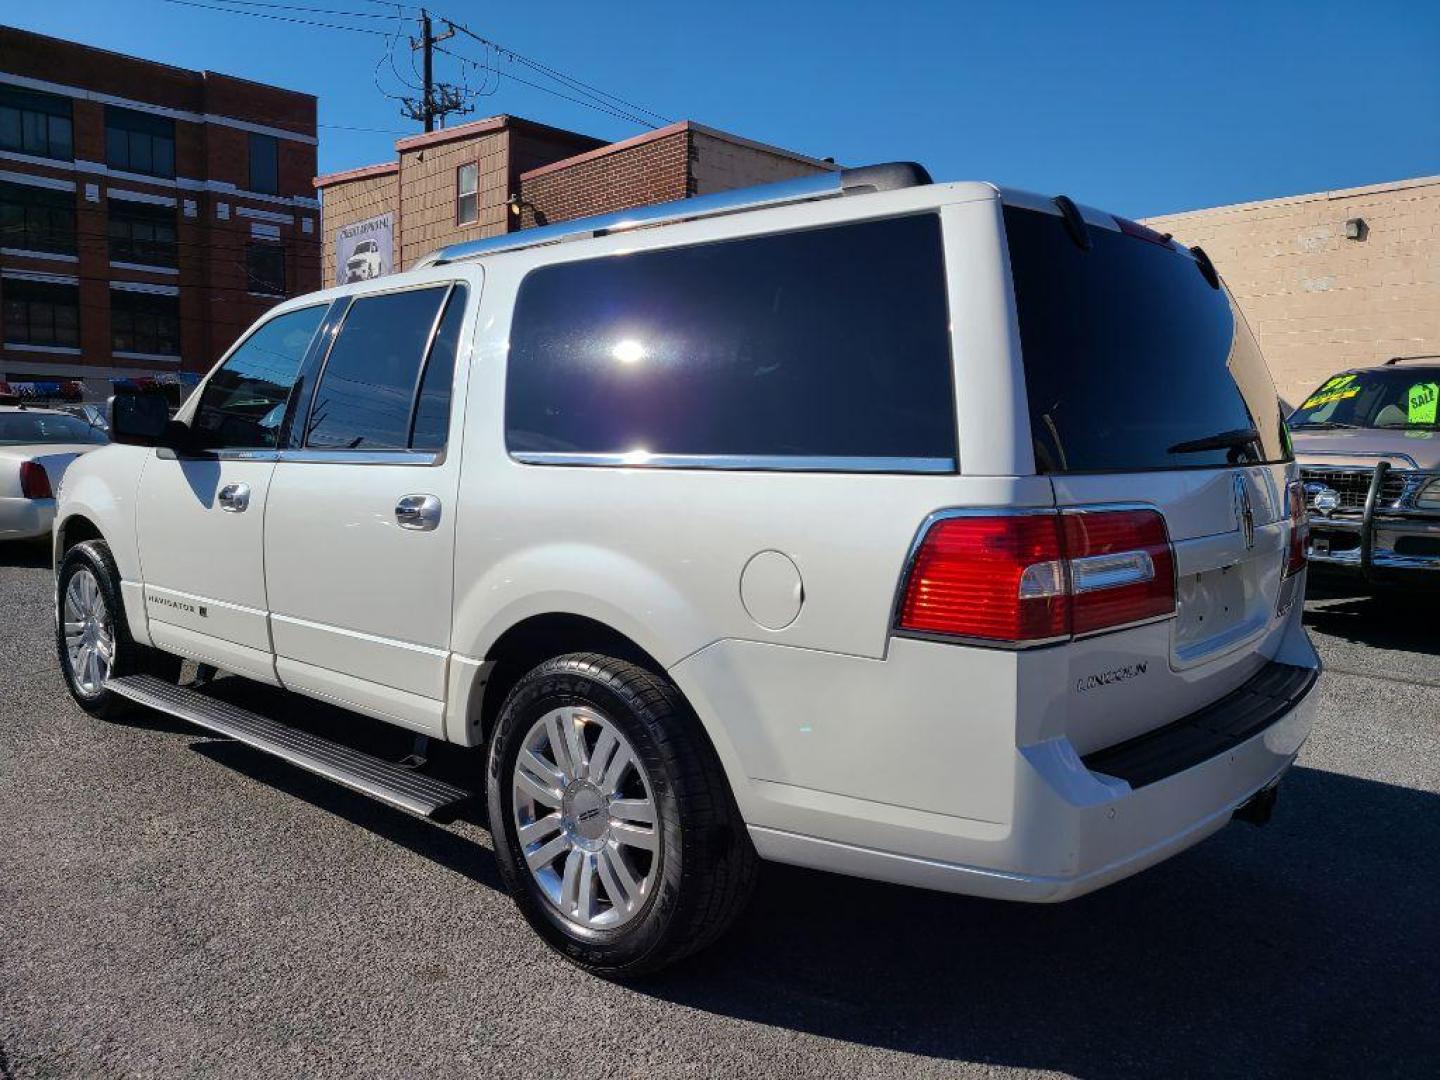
x,y
148,213
503,173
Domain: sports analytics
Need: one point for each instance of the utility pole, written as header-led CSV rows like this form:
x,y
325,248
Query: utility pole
x,y
436,100
427,39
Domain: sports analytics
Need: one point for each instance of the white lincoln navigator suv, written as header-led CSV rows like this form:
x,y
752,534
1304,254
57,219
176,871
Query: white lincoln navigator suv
x,y
933,533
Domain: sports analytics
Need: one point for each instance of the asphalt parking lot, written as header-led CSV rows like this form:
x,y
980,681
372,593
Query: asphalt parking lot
x,y
173,904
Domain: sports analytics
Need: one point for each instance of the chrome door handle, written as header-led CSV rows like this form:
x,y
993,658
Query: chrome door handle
x,y
235,498
418,512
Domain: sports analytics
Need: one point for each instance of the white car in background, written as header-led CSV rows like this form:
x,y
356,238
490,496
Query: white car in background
x,y
36,447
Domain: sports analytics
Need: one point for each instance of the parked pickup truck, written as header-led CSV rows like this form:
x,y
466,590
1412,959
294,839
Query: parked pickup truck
x,y
1369,450
842,522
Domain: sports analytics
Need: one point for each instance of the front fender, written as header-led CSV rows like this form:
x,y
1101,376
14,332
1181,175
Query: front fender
x,y
101,487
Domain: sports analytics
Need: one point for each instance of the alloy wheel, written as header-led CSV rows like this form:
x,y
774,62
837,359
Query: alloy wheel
x,y
89,633
585,817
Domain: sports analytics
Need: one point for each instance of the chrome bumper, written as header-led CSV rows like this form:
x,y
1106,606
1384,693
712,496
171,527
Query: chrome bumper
x,y
1372,538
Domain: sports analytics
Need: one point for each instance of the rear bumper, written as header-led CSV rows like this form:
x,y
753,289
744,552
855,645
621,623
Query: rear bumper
x,y
26,519
1113,831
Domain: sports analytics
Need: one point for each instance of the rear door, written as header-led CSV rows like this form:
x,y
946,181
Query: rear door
x,y
360,520
1145,388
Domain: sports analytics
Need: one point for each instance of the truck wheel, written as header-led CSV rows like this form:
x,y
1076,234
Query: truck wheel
x,y
92,636
613,824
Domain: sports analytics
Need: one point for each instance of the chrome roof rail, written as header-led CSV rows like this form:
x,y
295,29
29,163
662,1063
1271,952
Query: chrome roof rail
x,y
826,185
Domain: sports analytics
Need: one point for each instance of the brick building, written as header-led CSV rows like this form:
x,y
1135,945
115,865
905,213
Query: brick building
x,y
1330,280
148,214
503,173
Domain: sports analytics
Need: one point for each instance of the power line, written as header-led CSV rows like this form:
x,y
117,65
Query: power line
x,y
309,10
555,93
559,76
593,97
280,18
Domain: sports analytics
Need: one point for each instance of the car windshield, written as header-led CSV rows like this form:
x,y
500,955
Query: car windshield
x,y
1389,397
25,428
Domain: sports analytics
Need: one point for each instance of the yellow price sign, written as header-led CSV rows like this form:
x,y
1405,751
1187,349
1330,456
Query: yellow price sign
x,y
1323,398
1422,398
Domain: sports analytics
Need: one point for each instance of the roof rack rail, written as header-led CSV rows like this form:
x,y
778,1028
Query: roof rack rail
x,y
1417,356
864,180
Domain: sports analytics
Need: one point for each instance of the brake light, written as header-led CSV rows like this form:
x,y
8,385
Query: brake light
x,y
996,578
1030,578
35,481
1122,568
1296,558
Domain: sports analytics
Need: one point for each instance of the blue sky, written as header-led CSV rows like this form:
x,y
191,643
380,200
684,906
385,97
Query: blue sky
x,y
1142,108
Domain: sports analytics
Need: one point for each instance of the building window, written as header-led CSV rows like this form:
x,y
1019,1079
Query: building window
x,y
467,187
41,313
143,322
36,123
139,142
265,269
37,219
142,233
265,164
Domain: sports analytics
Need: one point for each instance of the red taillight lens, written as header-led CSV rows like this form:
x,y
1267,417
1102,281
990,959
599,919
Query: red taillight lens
x,y
1121,568
1296,558
35,481
995,578
1035,577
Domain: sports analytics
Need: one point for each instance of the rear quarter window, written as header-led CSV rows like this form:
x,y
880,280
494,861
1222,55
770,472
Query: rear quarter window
x,y
831,343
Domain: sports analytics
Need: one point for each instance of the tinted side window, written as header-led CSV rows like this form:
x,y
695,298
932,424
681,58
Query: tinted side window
x,y
828,343
432,407
367,386
244,402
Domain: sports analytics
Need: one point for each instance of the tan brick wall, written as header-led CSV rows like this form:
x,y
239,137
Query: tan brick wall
x,y
428,193
649,172
720,164
1317,301
348,202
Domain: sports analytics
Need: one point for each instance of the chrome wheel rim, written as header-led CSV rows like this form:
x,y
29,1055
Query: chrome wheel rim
x,y
89,633
585,817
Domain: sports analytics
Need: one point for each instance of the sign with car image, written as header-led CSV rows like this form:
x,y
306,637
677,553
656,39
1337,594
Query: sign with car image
x,y
365,249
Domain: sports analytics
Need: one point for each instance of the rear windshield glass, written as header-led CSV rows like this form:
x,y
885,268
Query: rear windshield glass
x,y
19,428
1132,361
829,343
1392,397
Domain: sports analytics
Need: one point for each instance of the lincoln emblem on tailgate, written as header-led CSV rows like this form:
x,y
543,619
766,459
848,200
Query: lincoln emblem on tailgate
x,y
1244,516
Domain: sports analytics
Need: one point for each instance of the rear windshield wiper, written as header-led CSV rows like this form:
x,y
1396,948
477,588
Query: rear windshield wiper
x,y
1222,440
1322,424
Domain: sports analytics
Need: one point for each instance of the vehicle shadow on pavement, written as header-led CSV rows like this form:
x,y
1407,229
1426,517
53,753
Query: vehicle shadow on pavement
x,y
25,553
1306,948
458,765
1387,620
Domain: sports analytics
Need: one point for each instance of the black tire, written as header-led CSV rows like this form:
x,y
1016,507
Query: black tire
x,y
130,658
706,864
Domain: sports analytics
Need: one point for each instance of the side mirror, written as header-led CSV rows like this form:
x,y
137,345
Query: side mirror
x,y
139,419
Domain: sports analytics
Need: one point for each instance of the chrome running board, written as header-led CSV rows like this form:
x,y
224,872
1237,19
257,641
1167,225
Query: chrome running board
x,y
392,784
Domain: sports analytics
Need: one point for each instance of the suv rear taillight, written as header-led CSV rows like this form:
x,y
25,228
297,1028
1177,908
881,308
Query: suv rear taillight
x,y
1026,579
35,481
1296,558
1122,569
